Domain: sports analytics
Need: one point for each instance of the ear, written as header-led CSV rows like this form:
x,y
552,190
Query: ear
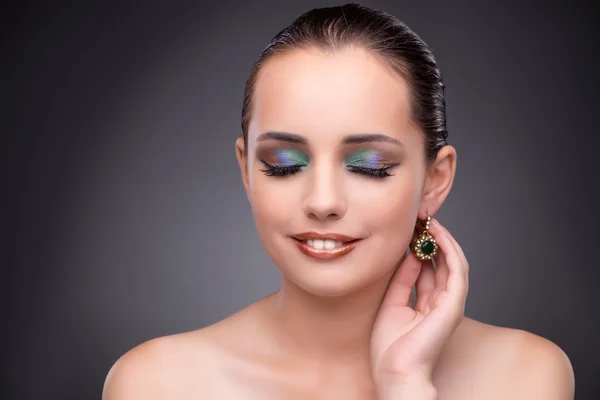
x,y
440,175
242,161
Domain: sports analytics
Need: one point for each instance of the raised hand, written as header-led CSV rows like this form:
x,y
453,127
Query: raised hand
x,y
406,342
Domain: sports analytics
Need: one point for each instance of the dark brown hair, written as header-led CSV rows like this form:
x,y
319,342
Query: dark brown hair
x,y
331,29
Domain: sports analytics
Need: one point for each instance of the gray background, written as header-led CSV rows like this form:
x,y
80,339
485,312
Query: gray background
x,y
125,215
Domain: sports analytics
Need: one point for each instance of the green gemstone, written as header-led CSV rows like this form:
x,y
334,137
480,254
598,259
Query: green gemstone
x,y
427,247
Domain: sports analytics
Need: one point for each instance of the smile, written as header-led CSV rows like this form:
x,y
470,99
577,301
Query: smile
x,y
325,246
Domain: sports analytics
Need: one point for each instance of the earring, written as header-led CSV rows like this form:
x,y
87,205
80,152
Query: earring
x,y
424,246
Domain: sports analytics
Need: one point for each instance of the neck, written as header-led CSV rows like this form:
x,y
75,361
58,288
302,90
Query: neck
x,y
327,329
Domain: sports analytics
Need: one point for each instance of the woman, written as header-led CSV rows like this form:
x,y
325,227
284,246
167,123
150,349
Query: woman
x,y
344,160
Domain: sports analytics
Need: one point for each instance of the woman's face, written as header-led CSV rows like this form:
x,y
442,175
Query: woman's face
x,y
332,149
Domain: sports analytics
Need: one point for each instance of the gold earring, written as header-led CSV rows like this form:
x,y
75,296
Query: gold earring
x,y
424,246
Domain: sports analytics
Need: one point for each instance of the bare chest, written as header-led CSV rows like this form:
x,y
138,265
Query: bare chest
x,y
228,388
290,383
451,384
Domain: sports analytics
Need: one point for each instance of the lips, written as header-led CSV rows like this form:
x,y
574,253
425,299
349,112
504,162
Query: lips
x,y
325,246
338,237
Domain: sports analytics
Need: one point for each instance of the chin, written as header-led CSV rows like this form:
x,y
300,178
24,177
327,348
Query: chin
x,y
326,288
328,280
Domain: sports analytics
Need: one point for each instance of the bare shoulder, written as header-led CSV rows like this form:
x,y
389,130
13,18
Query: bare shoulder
x,y
194,364
174,366
499,362
542,370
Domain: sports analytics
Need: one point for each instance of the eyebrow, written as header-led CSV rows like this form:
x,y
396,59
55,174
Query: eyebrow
x,y
371,137
351,139
282,136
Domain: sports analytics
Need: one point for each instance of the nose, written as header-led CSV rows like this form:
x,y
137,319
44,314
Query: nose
x,y
325,198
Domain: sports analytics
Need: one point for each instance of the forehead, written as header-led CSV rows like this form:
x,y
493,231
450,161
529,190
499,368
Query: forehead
x,y
349,91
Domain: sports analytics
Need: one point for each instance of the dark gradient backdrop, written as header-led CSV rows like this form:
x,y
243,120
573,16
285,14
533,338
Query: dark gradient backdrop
x,y
125,216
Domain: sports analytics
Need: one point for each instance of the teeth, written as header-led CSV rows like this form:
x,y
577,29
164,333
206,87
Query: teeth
x,y
323,244
329,244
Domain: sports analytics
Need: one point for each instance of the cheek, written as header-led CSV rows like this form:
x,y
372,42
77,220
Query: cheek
x,y
272,202
390,208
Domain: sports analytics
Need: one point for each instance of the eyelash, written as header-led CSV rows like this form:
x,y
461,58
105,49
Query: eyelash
x,y
273,170
375,172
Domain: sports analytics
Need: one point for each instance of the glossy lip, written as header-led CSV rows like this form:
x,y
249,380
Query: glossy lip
x,y
349,243
338,237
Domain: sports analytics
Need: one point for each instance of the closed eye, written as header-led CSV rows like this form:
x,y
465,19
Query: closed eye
x,y
374,172
281,170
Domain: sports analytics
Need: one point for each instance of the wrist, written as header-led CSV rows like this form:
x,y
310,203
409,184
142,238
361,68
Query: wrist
x,y
407,388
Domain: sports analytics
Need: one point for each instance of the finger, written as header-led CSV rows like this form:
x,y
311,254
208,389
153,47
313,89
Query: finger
x,y
400,286
441,270
426,281
456,245
457,281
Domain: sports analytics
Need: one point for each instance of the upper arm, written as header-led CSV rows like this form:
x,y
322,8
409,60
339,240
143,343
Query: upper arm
x,y
544,371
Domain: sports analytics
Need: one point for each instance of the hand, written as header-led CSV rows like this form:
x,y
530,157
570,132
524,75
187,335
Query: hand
x,y
406,343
